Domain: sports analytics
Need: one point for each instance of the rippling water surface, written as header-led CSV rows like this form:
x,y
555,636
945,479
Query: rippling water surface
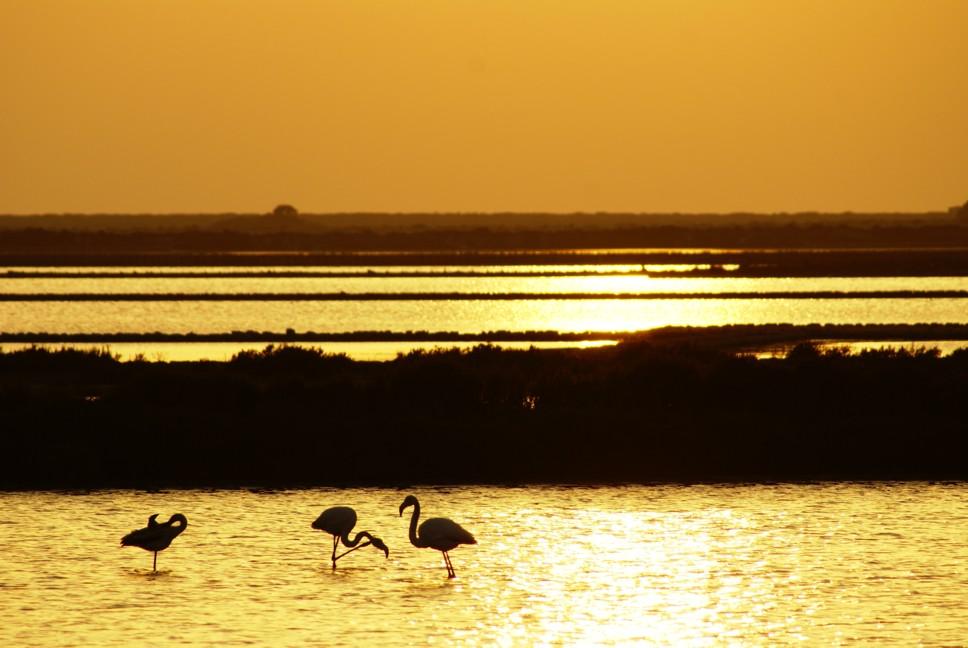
x,y
607,284
763,300
821,564
464,316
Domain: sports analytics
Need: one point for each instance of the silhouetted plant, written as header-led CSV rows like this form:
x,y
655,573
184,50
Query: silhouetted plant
x,y
36,356
289,358
636,412
804,351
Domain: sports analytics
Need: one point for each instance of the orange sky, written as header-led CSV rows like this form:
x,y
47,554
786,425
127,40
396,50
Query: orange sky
x,y
483,105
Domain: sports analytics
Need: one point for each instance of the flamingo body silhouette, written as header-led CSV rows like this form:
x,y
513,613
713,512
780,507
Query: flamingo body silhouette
x,y
339,521
156,536
441,534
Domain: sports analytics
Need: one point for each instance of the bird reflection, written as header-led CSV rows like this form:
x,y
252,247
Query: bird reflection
x,y
338,521
441,534
156,536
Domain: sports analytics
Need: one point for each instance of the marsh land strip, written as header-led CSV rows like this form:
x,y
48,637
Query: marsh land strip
x,y
642,411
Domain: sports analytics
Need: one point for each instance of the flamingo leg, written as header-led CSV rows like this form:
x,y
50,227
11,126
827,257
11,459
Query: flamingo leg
x,y
359,546
154,563
450,567
335,544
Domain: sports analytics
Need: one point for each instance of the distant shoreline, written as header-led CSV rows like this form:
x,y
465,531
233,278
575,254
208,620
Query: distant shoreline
x,y
728,337
478,233
379,221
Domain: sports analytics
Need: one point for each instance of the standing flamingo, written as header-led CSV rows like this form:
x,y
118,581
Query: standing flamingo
x,y
441,534
156,536
338,521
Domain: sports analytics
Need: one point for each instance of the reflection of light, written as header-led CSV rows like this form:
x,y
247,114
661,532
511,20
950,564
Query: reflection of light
x,y
607,589
824,564
624,315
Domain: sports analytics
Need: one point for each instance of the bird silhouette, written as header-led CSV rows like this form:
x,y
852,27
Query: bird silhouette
x,y
156,536
441,534
338,521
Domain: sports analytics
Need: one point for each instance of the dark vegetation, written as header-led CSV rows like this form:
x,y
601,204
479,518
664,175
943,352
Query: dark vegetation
x,y
753,337
949,235
735,337
288,218
286,230
645,411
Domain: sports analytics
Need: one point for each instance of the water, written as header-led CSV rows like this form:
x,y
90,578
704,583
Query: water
x,y
602,284
824,564
695,305
771,300
464,316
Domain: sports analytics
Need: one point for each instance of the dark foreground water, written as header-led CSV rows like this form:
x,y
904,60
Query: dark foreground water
x,y
824,564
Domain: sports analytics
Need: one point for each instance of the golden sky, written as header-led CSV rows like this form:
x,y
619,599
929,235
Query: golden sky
x,y
483,105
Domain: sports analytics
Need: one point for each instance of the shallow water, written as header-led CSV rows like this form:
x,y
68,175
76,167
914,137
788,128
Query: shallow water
x,y
457,315
824,564
602,284
464,316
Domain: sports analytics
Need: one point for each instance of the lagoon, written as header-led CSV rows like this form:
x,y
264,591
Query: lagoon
x,y
463,315
772,564
202,282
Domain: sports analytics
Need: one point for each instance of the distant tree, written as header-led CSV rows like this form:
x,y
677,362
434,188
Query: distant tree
x,y
285,210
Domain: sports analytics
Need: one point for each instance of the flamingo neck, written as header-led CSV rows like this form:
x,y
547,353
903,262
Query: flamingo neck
x,y
176,525
345,538
414,540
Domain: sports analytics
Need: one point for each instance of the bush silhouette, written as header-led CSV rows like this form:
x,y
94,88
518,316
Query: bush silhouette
x,y
638,412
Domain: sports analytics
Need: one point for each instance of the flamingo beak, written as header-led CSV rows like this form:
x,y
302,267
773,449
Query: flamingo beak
x,y
379,544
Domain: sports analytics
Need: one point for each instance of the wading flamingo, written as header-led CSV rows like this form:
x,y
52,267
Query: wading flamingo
x,y
436,533
156,536
338,521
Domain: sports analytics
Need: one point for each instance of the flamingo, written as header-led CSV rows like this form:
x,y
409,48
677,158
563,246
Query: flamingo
x,y
156,536
338,521
441,534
